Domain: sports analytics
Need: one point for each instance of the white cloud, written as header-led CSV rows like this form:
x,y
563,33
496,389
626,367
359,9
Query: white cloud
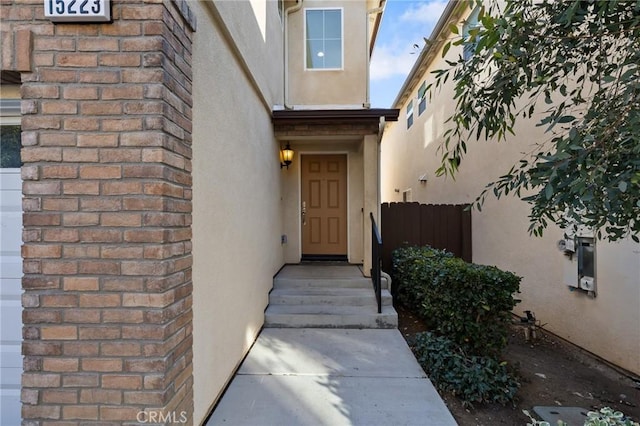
x,y
424,13
389,61
405,23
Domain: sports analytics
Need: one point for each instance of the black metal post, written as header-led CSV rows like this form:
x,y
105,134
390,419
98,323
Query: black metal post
x,y
376,261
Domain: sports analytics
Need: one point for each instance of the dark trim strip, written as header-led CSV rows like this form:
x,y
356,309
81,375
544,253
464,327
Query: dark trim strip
x,y
324,257
328,116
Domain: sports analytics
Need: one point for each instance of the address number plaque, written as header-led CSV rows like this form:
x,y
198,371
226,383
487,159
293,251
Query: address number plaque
x,y
78,10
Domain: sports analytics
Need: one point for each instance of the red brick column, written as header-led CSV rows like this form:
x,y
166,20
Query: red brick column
x,y
107,215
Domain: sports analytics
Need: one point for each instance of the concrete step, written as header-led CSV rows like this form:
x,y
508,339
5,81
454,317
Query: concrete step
x,y
321,296
329,296
330,316
310,282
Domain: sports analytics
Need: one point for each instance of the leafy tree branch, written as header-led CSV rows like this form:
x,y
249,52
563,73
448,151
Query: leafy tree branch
x,y
574,66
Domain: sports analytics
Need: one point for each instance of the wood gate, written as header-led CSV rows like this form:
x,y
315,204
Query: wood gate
x,y
443,226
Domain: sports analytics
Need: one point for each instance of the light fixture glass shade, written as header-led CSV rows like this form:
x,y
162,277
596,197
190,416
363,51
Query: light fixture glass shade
x,y
286,156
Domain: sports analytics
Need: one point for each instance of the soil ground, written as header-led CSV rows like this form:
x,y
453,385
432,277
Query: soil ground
x,y
552,372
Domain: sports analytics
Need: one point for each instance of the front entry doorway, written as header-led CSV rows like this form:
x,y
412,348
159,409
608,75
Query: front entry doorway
x,y
324,207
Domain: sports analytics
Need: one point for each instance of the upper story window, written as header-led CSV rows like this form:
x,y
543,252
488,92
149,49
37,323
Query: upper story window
x,y
410,113
323,39
470,24
422,98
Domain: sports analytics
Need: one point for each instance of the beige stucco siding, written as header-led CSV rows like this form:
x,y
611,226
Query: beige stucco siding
x,y
607,325
330,87
236,187
257,29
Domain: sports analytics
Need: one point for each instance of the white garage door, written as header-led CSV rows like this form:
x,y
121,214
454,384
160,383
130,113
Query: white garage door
x,y
10,266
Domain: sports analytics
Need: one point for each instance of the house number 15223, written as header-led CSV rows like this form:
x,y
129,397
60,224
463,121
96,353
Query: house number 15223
x,y
78,10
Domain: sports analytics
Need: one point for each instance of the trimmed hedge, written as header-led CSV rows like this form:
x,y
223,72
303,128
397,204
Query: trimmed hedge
x,y
473,379
470,304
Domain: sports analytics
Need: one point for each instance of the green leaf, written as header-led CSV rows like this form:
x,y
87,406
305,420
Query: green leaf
x,y
566,119
445,49
622,186
453,28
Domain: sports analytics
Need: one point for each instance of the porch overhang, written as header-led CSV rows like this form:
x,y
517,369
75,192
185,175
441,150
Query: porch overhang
x,y
288,124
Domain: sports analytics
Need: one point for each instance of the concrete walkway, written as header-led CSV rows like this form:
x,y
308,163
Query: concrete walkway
x,y
333,377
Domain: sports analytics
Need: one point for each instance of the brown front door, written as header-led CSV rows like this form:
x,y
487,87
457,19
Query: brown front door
x,y
324,206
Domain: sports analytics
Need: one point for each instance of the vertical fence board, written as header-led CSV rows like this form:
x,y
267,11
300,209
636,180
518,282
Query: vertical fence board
x,y
454,230
466,236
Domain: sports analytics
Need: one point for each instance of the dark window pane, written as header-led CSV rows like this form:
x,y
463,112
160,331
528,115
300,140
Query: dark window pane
x,y
315,54
333,24
422,105
333,54
422,90
469,46
586,258
314,24
10,147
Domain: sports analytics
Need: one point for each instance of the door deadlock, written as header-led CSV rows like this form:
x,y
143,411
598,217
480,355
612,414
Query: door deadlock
x,y
304,213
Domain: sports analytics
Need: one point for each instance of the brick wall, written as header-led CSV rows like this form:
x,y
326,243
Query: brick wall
x,y
107,214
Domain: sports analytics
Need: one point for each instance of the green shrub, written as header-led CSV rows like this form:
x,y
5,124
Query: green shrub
x,y
470,304
473,379
406,261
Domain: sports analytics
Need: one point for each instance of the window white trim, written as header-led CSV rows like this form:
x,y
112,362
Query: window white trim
x,y
470,23
410,115
304,38
422,98
11,120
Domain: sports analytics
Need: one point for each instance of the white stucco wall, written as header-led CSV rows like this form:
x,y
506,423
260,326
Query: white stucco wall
x,y
608,325
328,87
236,186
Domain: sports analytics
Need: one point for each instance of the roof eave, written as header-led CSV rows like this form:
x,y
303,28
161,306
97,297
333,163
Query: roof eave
x,y
279,117
376,26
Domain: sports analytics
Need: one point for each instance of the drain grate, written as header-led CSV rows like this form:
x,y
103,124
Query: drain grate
x,y
573,416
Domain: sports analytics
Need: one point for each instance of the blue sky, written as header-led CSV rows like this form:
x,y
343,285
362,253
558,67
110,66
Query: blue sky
x,y
405,23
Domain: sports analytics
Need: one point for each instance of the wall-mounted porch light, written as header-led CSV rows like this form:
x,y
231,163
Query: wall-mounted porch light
x,y
286,156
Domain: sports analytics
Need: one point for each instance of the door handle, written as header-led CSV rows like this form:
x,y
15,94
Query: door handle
x,y
304,213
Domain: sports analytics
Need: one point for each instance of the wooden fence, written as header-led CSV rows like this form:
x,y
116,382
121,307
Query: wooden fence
x,y
440,226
